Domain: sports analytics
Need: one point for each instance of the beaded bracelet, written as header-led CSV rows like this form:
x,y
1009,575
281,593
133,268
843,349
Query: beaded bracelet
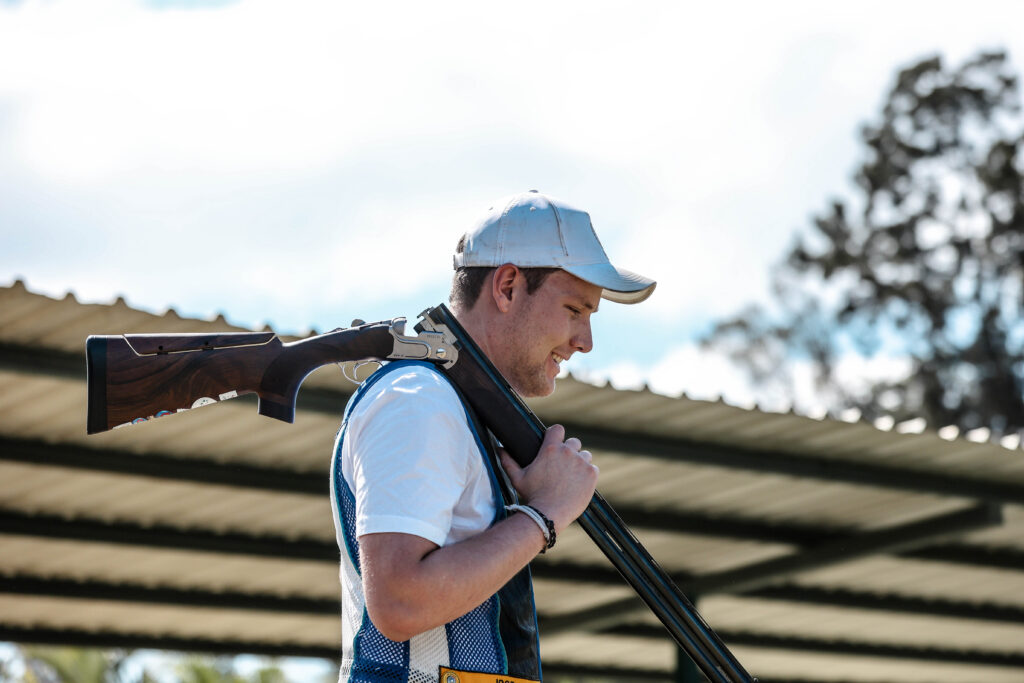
x,y
547,527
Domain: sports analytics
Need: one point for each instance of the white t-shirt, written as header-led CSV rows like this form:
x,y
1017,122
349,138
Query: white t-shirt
x,y
412,462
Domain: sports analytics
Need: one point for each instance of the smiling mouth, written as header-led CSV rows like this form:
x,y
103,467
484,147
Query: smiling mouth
x,y
557,360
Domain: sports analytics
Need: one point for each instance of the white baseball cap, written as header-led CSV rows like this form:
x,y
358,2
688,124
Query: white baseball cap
x,y
532,230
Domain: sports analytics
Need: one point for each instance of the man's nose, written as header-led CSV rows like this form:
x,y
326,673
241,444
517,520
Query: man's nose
x,y
583,341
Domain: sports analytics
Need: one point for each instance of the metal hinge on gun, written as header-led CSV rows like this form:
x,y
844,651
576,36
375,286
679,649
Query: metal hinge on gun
x,y
434,343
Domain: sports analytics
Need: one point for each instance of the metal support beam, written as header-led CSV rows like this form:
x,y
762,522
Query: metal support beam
x,y
169,467
108,639
148,595
884,541
31,360
962,554
605,673
971,555
49,526
892,602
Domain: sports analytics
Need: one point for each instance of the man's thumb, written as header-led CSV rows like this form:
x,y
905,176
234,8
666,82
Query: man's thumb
x,y
512,468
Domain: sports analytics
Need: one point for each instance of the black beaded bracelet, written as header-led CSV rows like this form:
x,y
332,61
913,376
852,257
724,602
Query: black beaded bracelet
x,y
547,527
551,528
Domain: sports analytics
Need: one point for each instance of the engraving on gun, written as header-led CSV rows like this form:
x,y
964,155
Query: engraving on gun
x,y
160,344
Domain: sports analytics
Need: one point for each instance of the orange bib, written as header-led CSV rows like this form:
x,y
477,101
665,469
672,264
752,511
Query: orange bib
x,y
453,676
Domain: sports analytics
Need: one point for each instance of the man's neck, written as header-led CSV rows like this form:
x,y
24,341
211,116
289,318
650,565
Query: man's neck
x,y
476,324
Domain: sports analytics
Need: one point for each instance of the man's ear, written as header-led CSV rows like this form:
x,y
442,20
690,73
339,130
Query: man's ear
x,y
504,286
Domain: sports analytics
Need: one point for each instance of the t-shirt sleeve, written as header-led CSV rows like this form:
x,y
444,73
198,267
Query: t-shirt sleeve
x,y
409,442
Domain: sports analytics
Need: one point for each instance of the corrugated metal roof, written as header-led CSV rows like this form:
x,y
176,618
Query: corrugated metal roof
x,y
214,527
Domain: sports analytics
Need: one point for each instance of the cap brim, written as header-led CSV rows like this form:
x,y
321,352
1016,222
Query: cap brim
x,y
619,285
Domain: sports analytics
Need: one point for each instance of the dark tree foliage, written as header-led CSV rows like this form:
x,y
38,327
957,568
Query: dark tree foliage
x,y
928,266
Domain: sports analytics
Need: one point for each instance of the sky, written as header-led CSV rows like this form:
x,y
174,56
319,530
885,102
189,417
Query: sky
x,y
306,163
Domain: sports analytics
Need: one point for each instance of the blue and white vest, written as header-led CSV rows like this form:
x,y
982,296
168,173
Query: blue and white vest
x,y
499,636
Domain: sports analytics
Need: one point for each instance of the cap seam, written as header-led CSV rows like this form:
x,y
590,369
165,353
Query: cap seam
x,y
502,230
558,228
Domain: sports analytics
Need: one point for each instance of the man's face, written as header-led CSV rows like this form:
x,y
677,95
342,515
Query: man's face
x,y
545,329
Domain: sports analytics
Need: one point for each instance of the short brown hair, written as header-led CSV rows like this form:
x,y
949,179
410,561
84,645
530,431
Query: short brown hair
x,y
468,281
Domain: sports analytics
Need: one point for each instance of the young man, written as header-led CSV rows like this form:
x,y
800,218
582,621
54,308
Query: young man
x,y
435,545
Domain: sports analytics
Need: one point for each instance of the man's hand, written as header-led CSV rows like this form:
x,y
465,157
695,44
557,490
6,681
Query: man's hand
x,y
561,480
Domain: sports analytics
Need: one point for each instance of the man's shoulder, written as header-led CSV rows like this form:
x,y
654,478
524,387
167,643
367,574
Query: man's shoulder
x,y
413,375
411,382
413,398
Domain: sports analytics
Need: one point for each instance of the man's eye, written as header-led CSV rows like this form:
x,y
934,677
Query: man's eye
x,y
575,311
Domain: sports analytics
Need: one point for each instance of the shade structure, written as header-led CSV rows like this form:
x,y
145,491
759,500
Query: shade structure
x,y
819,549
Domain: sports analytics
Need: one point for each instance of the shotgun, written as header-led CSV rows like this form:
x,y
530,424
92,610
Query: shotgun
x,y
136,378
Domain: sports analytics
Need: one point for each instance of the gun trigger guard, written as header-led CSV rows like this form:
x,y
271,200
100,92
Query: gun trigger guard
x,y
351,372
430,344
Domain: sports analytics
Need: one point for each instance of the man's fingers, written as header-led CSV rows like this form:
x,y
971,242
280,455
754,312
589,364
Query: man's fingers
x,y
586,455
554,434
574,443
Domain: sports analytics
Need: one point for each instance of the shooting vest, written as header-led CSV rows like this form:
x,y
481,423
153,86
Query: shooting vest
x,y
496,641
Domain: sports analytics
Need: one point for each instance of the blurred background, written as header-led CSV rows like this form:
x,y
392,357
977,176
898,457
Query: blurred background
x,y
830,197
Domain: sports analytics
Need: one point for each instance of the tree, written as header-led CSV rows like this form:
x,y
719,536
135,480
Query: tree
x,y
929,265
42,664
74,665
222,670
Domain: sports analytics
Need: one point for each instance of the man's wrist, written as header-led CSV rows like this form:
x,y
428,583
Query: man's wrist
x,y
546,526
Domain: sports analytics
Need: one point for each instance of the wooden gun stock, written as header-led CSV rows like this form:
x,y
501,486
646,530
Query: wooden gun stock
x,y
137,377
